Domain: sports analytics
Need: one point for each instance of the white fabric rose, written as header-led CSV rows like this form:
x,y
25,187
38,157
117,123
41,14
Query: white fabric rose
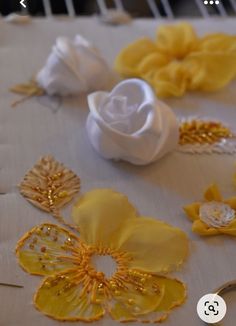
x,y
74,67
130,124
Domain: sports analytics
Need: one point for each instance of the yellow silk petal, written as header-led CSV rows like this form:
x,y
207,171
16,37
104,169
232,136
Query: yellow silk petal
x,y
100,213
152,62
213,193
171,80
229,229
218,43
215,70
174,294
130,302
231,202
192,211
153,245
40,250
131,56
62,297
176,40
203,229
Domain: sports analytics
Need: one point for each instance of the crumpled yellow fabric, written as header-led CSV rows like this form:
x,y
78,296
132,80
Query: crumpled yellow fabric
x,y
179,60
143,249
212,194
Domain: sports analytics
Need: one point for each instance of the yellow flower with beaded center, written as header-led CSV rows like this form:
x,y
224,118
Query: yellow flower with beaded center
x,y
144,249
214,215
178,60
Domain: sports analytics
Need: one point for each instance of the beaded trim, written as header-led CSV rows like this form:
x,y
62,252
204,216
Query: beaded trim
x,y
198,135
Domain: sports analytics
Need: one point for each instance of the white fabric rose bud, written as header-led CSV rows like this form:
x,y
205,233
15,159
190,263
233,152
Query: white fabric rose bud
x,y
131,124
74,67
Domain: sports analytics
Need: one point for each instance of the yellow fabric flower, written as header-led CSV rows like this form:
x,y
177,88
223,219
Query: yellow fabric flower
x,y
214,215
143,249
179,60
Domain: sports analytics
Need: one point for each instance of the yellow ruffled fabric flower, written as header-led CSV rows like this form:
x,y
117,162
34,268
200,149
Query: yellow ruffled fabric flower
x,y
142,248
178,60
214,215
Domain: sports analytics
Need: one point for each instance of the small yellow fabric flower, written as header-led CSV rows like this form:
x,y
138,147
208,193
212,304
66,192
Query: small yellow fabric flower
x,y
179,60
214,215
143,249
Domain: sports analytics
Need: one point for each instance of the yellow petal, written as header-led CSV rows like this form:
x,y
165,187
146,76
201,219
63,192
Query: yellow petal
x,y
201,228
213,193
231,202
172,80
62,297
192,211
151,63
176,40
153,245
141,294
40,251
218,43
215,70
131,56
100,213
229,229
174,294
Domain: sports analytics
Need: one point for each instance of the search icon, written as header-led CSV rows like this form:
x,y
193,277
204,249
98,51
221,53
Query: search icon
x,y
211,308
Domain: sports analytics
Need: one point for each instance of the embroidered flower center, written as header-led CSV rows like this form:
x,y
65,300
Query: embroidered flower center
x,y
104,264
216,214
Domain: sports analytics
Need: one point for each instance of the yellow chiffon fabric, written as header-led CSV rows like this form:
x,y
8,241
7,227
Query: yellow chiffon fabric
x,y
143,248
198,226
179,60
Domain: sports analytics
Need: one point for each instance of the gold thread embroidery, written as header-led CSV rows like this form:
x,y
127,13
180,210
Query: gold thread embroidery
x,y
28,90
73,289
125,285
203,132
50,186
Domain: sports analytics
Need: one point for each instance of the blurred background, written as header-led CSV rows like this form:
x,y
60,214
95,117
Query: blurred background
x,y
137,8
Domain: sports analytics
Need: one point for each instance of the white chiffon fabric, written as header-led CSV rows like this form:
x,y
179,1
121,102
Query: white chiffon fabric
x,y
131,124
74,67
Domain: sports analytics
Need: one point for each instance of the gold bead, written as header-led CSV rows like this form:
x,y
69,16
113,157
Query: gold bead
x,y
117,292
130,301
63,194
113,286
143,280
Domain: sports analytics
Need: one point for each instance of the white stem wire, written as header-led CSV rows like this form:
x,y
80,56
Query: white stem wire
x,y
119,5
47,8
154,9
70,8
102,6
202,8
220,7
167,8
233,4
